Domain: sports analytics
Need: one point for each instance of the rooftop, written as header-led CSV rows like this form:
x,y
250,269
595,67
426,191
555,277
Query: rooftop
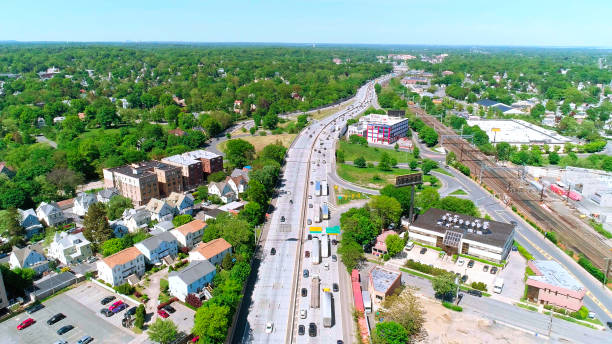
x,y
487,102
191,227
194,271
553,273
142,169
212,248
381,119
122,257
154,241
383,279
518,132
469,227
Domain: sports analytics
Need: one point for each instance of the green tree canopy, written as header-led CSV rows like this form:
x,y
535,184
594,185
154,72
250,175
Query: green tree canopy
x,y
162,331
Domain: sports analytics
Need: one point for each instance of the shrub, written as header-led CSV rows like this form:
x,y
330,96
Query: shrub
x,y
163,285
425,268
452,306
581,314
552,237
590,268
193,301
479,286
386,257
139,317
125,289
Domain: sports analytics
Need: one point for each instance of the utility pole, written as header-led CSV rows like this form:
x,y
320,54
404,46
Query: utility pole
x,y
550,323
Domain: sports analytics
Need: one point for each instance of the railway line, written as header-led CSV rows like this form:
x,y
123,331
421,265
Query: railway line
x,y
575,234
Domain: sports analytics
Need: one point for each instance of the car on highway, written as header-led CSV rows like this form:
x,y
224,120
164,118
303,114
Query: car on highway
x,y
169,309
493,270
107,299
269,327
470,264
475,292
335,287
309,222
312,329
303,313
305,274
309,205
304,292
609,323
334,258
162,313
301,330
26,323
106,312
326,266
64,329
282,219
309,196
273,251
57,317
334,242
34,308
485,268
84,340
423,250
514,248
307,254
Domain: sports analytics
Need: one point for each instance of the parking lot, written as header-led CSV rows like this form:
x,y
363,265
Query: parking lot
x,y
81,306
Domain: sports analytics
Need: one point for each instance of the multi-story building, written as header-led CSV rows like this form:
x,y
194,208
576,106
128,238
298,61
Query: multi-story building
x,y
190,233
143,181
31,256
191,280
214,251
157,247
382,283
379,129
70,248
29,221
195,166
462,234
50,214
116,269
553,285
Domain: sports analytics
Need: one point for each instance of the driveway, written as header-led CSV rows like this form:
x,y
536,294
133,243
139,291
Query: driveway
x,y
153,291
513,275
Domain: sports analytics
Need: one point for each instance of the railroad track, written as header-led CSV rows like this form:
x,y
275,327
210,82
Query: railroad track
x,y
572,232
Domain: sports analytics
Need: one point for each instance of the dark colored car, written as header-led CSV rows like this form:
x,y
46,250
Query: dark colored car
x,y
335,287
304,292
305,273
107,300
312,330
485,268
334,258
120,308
282,219
475,292
169,309
493,270
339,341
34,308
334,242
309,236
130,311
307,254
301,330
106,312
464,278
273,251
470,264
423,250
55,318
64,329
609,323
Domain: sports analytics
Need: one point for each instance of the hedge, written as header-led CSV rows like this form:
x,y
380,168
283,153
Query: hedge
x,y
590,268
425,268
479,286
452,306
581,314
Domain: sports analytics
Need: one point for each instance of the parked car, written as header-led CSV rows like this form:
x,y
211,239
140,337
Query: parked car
x,y
61,342
107,299
485,268
307,254
303,313
309,222
326,266
312,329
282,219
410,245
269,327
310,196
309,236
64,329
304,292
57,317
162,313
309,205
85,340
120,308
305,273
493,270
106,312
460,262
423,250
334,242
470,264
609,323
115,305
335,287
273,251
34,308
475,292
464,278
514,248
130,311
301,330
26,323
334,258
169,309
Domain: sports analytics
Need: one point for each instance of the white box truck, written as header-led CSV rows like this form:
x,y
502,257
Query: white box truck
x,y
324,246
315,255
326,308
499,285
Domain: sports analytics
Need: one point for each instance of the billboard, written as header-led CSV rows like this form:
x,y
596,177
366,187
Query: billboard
x,y
409,179
396,113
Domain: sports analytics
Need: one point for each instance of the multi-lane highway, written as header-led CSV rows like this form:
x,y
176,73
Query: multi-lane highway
x,y
275,299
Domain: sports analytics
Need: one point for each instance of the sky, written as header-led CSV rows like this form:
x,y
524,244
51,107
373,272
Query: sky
x,y
430,22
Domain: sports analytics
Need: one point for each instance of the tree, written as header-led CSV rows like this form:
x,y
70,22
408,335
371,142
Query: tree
x,y
444,286
211,322
459,205
356,139
413,164
270,121
537,111
390,332
9,223
95,225
387,208
405,309
503,150
182,219
340,156
212,126
162,331
386,162
239,152
227,262
553,158
257,193
402,195
416,152
139,316
395,244
117,205
360,162
275,152
252,213
450,158
112,246
428,165
427,198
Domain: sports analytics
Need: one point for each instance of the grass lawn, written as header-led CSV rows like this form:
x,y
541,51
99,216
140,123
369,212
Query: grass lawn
x,y
443,171
527,307
259,142
372,177
320,114
458,192
353,151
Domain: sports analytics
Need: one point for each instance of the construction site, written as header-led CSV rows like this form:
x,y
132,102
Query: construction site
x,y
510,186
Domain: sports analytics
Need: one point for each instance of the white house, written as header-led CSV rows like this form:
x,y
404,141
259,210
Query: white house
x,y
136,219
29,221
238,184
213,251
223,190
105,195
157,247
191,280
50,214
82,202
244,173
121,267
31,257
160,210
182,203
190,233
70,248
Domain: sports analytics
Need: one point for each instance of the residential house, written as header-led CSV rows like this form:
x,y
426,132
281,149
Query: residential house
x,y
82,202
7,171
191,280
241,172
232,207
213,251
157,247
66,204
177,132
223,190
105,195
70,248
208,214
119,228
190,233
382,283
160,210
380,248
31,256
124,266
182,203
29,221
50,214
136,219
238,184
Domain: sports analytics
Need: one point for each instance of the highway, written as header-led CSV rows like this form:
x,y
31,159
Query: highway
x,y
277,276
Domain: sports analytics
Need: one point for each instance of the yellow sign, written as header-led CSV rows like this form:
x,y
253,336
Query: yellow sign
x,y
495,129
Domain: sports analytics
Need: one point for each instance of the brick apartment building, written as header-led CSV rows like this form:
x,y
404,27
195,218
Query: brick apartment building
x,y
195,166
142,181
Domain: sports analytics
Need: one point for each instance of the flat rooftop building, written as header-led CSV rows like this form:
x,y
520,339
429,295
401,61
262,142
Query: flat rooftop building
x,y
461,234
380,129
553,285
382,283
195,166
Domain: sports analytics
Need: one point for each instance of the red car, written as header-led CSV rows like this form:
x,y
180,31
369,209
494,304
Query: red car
x,y
25,323
162,313
115,305
195,339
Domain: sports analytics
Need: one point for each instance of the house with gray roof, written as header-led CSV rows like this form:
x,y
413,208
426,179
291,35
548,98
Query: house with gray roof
x,y
31,256
182,203
191,280
160,210
82,202
70,248
136,219
105,195
29,221
157,247
119,228
50,214
223,190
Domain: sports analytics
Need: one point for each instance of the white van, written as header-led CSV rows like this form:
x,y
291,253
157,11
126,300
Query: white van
x,y
499,285
410,245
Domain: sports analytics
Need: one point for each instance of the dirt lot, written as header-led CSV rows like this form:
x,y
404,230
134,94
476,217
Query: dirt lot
x,y
446,326
259,142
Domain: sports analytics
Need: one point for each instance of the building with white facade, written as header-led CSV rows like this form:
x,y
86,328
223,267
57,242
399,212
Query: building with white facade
x,y
192,279
70,248
117,268
157,247
214,251
160,210
82,202
379,129
50,214
189,234
31,256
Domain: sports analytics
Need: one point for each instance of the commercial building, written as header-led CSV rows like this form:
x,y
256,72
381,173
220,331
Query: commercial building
x,y
214,251
462,234
379,129
553,285
382,283
143,181
191,280
380,248
195,166
116,269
